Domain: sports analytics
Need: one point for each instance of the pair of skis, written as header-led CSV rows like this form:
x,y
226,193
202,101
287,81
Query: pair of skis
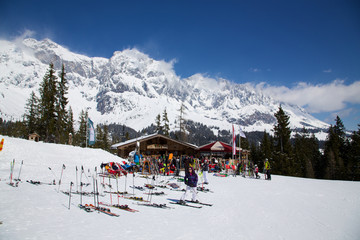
x,y
155,205
186,203
122,207
92,208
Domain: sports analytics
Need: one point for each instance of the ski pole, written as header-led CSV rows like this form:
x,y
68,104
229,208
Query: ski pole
x,y
82,171
94,191
133,183
77,189
97,193
110,190
81,184
70,194
117,188
18,179
12,164
125,182
62,169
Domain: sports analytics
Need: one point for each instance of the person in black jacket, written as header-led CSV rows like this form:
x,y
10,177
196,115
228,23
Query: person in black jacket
x,y
190,181
205,170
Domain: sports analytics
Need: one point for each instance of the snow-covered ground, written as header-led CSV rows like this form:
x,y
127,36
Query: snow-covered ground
x,y
283,208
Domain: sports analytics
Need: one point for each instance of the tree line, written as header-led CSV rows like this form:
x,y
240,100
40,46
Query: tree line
x,y
301,156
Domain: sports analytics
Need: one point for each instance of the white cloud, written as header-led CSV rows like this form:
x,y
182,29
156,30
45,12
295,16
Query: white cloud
x,y
254,70
327,70
342,113
201,80
316,98
26,34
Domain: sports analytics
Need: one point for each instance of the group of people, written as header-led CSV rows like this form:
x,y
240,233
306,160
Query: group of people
x,y
191,180
168,164
165,164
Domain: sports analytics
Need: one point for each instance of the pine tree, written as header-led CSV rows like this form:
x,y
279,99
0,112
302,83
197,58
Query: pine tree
x,y
61,106
70,123
32,114
283,154
105,139
354,162
48,92
81,133
266,146
306,154
282,132
159,128
99,137
334,151
166,127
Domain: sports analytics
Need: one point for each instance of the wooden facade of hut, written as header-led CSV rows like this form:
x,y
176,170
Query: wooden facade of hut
x,y
155,145
34,137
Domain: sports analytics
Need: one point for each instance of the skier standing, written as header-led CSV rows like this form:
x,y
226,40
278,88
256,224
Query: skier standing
x,y
190,180
256,171
205,170
267,169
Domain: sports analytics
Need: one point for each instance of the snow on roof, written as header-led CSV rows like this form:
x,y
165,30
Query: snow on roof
x,y
146,137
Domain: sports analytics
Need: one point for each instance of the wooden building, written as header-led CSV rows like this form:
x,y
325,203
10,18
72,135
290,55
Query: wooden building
x,y
34,137
155,145
223,150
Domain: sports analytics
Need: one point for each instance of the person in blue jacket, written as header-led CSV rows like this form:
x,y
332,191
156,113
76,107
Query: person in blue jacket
x,y
190,181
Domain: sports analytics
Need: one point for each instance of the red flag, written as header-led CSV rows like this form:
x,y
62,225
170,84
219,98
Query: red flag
x,y
1,144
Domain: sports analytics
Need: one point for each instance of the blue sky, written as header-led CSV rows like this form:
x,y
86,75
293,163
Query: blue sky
x,y
303,52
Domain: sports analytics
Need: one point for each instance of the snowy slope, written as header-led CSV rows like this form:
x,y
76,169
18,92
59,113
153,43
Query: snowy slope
x,y
284,208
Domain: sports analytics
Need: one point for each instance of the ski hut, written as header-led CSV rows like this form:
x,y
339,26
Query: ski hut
x,y
155,145
34,137
220,149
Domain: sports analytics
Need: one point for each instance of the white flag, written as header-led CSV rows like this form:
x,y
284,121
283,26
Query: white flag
x,y
242,134
91,129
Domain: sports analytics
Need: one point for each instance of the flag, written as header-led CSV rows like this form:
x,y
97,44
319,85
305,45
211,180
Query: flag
x,y
234,141
1,144
91,133
242,134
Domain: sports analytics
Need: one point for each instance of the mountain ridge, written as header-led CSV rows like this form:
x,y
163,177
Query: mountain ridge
x,y
131,88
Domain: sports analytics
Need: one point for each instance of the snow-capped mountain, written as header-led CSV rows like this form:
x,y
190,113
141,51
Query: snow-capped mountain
x,y
131,88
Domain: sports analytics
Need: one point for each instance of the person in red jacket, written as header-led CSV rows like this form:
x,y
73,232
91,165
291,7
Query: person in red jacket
x,y
190,181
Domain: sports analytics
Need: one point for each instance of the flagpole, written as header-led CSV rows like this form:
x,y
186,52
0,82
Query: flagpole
x,y
233,142
239,148
87,124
